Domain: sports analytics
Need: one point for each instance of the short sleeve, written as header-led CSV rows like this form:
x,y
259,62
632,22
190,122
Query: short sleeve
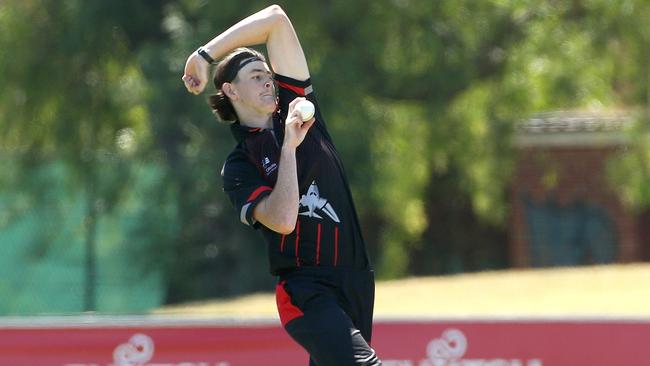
x,y
244,186
290,89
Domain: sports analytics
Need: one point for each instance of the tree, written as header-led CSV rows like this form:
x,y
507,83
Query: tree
x,y
72,94
421,98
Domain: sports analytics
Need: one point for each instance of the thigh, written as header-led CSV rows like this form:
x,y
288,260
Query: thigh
x,y
320,326
331,339
359,294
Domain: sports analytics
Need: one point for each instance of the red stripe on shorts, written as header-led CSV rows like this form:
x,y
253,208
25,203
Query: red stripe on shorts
x,y
286,309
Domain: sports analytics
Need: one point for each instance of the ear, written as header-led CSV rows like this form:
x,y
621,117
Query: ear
x,y
230,91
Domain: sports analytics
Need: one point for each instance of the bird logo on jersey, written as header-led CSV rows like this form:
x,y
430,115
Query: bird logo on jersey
x,y
313,201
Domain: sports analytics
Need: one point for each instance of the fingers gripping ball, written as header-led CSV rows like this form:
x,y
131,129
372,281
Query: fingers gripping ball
x,y
306,109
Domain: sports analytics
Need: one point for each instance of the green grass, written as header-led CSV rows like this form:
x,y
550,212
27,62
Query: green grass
x,y
611,291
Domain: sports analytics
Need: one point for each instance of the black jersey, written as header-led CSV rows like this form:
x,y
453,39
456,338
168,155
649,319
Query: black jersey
x,y
327,231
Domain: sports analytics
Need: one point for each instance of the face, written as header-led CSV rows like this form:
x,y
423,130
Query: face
x,y
254,87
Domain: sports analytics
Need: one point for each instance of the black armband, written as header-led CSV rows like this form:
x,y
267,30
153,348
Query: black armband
x,y
206,56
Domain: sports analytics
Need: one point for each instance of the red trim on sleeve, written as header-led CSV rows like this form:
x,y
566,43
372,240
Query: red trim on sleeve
x,y
287,310
296,89
256,193
336,245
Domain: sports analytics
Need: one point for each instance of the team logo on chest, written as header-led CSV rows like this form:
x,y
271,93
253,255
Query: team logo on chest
x,y
313,202
268,166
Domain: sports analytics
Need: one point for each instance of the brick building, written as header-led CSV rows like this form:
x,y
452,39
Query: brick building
x,y
564,212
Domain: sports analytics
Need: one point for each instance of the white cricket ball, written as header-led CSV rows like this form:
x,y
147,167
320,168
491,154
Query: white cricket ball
x,y
306,109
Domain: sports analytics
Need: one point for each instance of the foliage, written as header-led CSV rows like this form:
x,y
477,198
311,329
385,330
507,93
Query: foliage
x,y
421,98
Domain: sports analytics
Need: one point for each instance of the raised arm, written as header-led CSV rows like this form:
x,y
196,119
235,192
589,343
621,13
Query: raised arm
x,y
270,26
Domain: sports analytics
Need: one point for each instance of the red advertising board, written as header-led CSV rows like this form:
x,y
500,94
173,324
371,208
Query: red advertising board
x,y
156,342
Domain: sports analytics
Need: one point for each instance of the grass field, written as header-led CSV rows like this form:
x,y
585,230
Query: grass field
x,y
610,291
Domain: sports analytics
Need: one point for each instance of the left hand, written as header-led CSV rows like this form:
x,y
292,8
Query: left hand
x,y
195,77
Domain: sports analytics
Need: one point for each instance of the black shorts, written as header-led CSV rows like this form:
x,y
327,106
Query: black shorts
x,y
328,311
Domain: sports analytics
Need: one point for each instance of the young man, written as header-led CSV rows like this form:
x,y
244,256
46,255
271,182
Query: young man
x,y
286,179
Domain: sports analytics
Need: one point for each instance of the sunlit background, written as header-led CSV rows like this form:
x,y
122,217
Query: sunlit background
x,y
477,135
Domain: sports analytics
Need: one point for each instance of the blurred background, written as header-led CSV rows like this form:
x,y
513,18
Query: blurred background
x,y
477,135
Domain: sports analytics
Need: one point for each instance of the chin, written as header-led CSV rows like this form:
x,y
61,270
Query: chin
x,y
270,107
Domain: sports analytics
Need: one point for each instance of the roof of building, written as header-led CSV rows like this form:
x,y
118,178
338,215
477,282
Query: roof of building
x,y
572,121
573,128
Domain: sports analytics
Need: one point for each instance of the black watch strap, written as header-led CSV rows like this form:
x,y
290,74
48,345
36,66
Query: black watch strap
x,y
206,56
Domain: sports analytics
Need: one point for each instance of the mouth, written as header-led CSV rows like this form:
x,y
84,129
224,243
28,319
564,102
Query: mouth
x,y
268,97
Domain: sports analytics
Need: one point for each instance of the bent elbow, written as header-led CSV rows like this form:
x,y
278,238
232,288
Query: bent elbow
x,y
286,225
276,9
286,229
277,12
285,232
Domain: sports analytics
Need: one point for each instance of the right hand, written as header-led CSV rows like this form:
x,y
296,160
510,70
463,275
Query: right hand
x,y
295,129
196,73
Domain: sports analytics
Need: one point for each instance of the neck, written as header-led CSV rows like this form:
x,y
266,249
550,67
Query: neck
x,y
265,123
256,120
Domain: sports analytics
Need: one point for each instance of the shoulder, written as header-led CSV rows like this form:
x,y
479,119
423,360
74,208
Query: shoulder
x,y
237,153
236,160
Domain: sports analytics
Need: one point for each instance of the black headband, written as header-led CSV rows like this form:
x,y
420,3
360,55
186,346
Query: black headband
x,y
232,74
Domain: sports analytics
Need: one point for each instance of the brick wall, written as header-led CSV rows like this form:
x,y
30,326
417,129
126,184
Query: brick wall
x,y
566,175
